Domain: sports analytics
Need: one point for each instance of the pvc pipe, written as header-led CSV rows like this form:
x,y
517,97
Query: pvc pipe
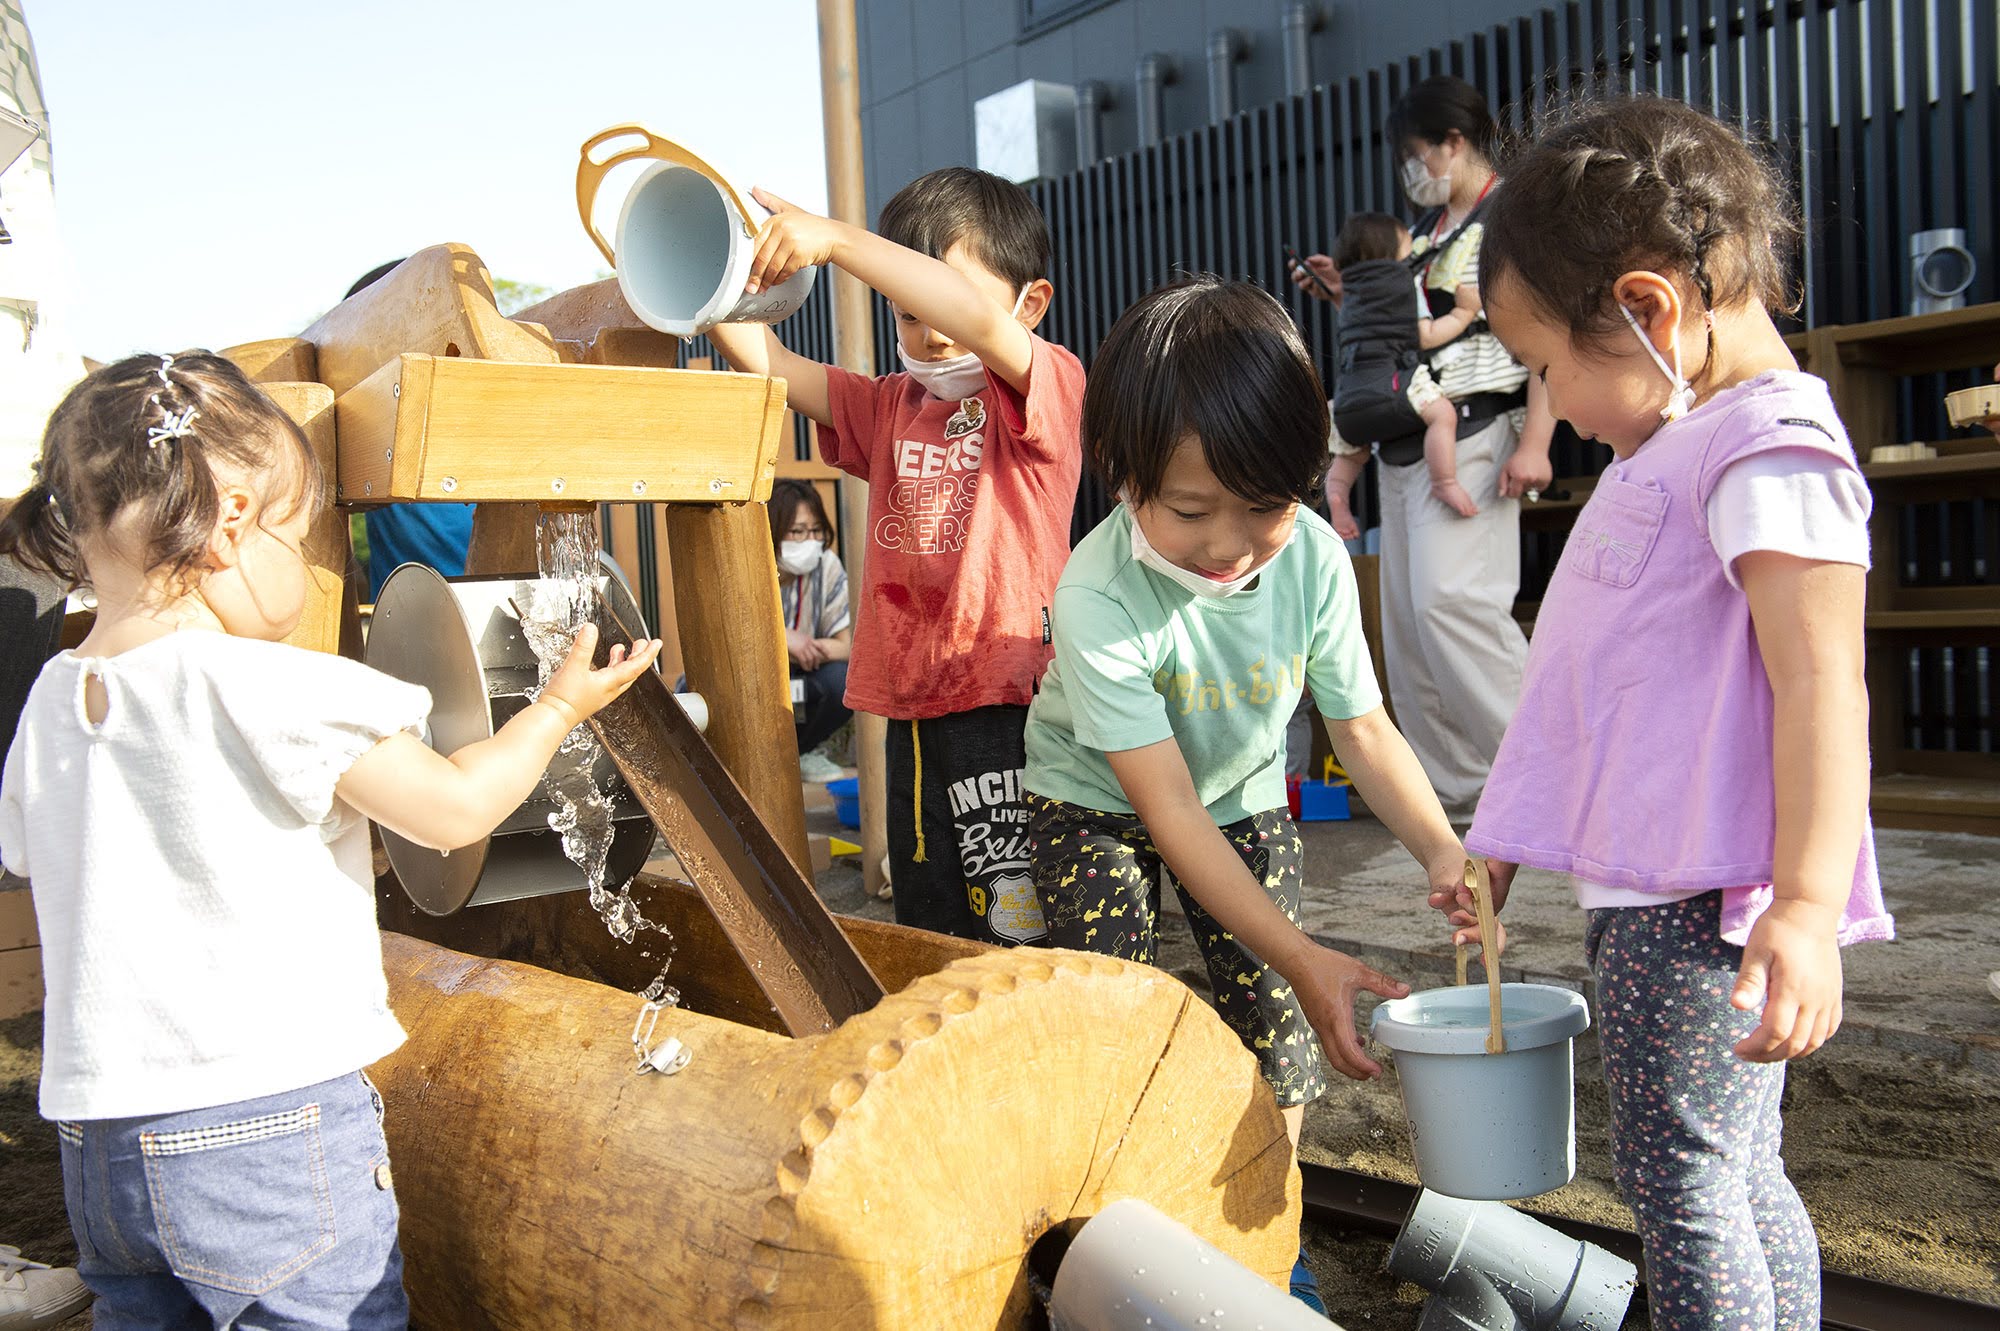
x,y
1154,73
696,708
1491,1267
1226,46
1130,1266
1300,22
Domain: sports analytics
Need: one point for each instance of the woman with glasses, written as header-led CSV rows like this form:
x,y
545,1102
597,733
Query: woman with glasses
x,y
812,588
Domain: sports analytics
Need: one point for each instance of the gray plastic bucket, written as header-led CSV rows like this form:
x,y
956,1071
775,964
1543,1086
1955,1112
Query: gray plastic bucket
x,y
1489,1127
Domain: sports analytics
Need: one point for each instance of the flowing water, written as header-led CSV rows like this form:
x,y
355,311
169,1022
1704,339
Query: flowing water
x,y
566,551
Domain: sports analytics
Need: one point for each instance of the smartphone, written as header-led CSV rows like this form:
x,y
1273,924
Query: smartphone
x,y
1292,257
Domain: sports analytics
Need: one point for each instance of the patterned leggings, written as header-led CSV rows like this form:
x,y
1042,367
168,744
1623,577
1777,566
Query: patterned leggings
x,y
1695,1131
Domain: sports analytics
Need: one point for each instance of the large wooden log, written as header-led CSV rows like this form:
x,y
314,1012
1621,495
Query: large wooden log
x,y
892,1173
331,620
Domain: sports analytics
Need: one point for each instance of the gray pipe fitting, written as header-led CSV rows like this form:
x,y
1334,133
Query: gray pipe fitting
x,y
1492,1268
1130,1266
1300,22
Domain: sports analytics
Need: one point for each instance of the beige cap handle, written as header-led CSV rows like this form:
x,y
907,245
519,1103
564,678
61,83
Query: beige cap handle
x,y
1481,885
590,175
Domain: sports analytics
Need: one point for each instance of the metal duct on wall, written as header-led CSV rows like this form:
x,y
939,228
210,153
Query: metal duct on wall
x,y
1154,73
1226,47
1093,99
1300,22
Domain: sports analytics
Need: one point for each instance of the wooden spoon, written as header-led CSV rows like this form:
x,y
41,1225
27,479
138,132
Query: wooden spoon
x,y
1477,879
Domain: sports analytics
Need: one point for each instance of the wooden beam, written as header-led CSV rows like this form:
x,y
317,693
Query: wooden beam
x,y
733,648
275,360
580,313
331,621
428,427
438,301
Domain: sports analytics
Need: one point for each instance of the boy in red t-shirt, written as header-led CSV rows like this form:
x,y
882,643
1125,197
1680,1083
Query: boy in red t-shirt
x,y
972,460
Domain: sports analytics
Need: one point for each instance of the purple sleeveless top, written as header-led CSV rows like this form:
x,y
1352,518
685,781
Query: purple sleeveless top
x,y
1640,754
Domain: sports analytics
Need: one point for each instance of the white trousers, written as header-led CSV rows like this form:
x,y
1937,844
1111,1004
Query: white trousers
x,y
1452,649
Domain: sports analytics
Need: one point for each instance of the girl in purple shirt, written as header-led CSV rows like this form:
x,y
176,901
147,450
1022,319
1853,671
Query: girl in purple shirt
x,y
1691,744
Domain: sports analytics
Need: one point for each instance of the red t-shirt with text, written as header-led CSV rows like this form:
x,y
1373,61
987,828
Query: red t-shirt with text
x,y
968,529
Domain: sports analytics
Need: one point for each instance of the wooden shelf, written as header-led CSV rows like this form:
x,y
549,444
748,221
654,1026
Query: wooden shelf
x,y
1922,343
1937,803
1930,621
1985,462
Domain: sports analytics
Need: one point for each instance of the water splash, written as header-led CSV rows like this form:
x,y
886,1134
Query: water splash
x,y
566,556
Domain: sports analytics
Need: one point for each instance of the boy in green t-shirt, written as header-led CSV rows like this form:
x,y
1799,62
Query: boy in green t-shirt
x,y
1186,626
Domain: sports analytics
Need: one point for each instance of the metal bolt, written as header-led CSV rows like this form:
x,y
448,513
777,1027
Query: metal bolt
x,y
715,486
388,455
556,485
395,390
448,484
638,487
368,487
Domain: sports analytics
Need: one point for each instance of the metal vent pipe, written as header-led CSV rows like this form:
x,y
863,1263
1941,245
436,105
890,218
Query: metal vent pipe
x,y
1300,22
1154,73
1226,46
1093,99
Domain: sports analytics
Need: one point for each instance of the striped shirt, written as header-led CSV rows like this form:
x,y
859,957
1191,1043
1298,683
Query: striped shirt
x,y
1475,364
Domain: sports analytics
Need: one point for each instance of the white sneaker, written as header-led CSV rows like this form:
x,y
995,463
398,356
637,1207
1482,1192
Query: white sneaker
x,y
819,769
33,1296
887,890
1993,983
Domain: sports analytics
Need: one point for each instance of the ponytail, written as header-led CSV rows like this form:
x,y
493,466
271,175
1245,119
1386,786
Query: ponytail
x,y
35,535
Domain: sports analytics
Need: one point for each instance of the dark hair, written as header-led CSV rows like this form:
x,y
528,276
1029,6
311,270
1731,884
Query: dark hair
x,y
102,454
786,496
374,275
1431,110
1639,182
1217,361
1367,236
995,219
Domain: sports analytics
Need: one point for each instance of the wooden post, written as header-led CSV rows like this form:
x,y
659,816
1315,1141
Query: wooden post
x,y
853,324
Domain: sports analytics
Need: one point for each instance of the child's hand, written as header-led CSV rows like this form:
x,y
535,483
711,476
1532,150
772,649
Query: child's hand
x,y
1326,989
1791,966
1453,496
1450,895
791,240
585,691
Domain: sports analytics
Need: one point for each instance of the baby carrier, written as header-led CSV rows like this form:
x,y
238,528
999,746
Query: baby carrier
x,y
1379,352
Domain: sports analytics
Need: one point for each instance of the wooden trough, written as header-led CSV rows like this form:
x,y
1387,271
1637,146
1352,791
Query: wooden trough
x,y
828,1157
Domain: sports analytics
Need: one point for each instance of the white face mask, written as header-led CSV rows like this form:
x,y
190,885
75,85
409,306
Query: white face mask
x,y
799,558
1187,579
1425,190
1681,400
956,379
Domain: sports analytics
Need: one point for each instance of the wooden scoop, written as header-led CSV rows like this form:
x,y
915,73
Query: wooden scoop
x,y
1481,885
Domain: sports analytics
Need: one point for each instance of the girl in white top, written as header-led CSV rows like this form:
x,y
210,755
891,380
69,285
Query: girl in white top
x,y
190,798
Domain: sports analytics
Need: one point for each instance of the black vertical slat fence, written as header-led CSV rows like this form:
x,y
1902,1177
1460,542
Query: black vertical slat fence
x,y
1876,145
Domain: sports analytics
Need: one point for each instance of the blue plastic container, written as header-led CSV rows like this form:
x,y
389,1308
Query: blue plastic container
x,y
1322,802
846,794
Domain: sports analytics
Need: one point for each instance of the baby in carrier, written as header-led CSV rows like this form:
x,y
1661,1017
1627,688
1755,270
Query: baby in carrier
x,y
1384,396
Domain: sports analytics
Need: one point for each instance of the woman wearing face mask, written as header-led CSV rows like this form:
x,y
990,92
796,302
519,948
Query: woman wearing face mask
x,y
1454,653
812,589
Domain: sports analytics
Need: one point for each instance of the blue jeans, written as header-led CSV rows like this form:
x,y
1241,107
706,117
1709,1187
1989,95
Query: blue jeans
x,y
273,1214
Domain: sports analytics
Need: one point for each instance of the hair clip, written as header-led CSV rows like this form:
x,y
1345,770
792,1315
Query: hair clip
x,y
62,519
173,425
166,363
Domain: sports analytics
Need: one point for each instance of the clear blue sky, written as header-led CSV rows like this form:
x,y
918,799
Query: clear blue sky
x,y
225,168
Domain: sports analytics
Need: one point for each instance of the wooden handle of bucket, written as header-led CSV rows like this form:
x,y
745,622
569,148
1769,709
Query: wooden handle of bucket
x,y
590,174
1481,884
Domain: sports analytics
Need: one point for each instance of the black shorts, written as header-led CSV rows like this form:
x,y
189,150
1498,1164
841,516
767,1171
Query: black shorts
x,y
1099,875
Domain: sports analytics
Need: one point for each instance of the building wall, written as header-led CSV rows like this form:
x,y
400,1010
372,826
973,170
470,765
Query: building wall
x,y
925,62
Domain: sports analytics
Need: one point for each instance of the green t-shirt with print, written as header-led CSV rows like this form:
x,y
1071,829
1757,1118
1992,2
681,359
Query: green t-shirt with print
x,y
1139,659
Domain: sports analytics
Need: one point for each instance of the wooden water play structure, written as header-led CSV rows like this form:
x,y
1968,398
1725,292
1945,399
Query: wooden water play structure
x,y
829,1155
